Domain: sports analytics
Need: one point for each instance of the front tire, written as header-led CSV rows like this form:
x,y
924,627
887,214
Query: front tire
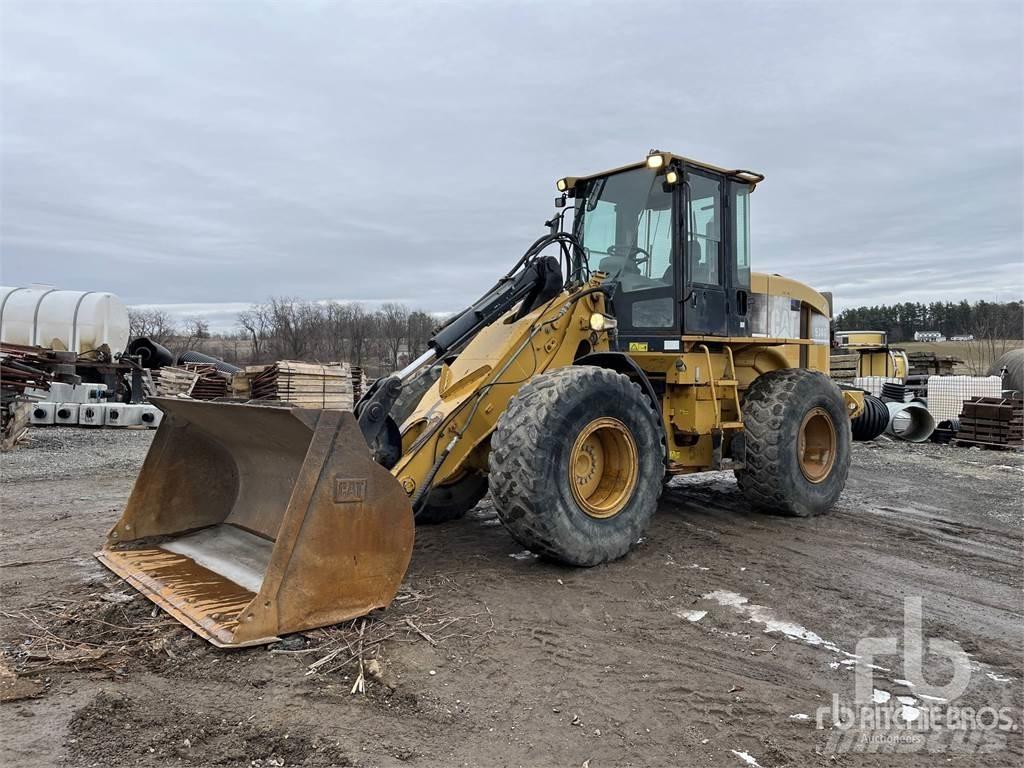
x,y
797,436
452,501
576,465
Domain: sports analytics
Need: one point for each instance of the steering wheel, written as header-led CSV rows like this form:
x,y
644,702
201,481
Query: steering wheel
x,y
630,251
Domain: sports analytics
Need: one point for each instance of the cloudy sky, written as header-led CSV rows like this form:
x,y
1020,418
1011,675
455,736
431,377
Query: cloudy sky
x,y
206,155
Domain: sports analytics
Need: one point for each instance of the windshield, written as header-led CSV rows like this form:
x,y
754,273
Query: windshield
x,y
625,224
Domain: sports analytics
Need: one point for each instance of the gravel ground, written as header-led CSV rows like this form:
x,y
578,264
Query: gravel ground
x,y
713,643
57,452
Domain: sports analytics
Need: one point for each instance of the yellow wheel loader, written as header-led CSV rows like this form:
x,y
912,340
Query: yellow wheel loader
x,y
626,347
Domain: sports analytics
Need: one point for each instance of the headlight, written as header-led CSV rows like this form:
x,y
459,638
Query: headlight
x,y
671,177
600,322
655,161
562,185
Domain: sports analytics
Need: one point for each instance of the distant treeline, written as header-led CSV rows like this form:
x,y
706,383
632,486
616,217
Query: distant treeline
x,y
983,319
380,340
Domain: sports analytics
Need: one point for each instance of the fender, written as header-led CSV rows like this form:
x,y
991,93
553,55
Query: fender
x,y
624,364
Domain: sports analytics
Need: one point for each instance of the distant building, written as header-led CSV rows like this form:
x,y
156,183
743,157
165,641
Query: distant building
x,y
928,336
964,337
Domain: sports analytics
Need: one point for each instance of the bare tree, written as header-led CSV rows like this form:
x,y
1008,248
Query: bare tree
x,y
393,329
337,323
194,335
294,325
256,326
327,331
993,337
360,331
151,323
420,329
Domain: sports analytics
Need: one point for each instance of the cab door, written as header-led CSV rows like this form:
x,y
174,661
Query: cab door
x,y
704,304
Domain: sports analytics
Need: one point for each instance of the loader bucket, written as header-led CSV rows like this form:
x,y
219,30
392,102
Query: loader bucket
x,y
248,522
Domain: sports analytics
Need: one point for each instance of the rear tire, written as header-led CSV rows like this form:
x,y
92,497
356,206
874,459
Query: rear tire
x,y
450,502
797,435
576,465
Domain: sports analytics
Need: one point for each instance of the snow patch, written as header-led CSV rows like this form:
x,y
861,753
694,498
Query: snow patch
x,y
879,696
799,716
746,758
909,713
762,615
726,598
691,615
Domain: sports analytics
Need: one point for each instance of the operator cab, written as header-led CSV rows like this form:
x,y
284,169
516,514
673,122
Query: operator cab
x,y
673,236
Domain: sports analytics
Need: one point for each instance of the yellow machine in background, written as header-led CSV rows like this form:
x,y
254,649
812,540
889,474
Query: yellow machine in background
x,y
644,348
876,357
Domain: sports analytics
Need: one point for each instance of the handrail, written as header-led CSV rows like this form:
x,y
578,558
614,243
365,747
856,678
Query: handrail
x,y
711,381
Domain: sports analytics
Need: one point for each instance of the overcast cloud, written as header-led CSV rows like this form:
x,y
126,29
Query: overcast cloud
x,y
209,155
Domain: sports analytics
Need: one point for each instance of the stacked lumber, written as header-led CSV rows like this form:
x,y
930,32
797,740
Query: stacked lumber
x,y
211,383
172,382
930,364
992,422
845,366
308,385
358,382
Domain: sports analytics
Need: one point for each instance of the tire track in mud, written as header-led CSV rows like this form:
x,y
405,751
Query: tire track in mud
x,y
606,646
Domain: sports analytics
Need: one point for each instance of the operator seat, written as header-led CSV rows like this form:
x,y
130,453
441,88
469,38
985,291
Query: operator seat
x,y
700,270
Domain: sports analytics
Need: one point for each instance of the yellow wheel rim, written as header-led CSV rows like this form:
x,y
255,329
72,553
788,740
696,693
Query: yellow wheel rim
x,y
816,445
603,467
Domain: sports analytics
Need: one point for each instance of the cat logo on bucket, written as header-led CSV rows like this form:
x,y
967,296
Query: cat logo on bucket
x,y
347,490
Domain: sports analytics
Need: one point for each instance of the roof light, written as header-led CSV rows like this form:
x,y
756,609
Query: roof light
x,y
562,185
672,176
655,161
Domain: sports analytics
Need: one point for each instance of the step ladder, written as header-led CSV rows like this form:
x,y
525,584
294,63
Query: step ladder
x,y
729,386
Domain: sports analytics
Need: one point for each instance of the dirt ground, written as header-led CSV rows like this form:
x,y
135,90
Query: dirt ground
x,y
702,647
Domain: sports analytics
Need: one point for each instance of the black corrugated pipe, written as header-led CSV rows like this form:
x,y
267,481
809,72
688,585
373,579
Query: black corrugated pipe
x,y
872,422
893,392
945,430
151,354
190,356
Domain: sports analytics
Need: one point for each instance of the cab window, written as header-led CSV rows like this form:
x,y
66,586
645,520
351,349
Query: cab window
x,y
704,230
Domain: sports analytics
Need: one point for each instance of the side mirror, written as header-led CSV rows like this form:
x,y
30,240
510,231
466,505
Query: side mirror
x,y
560,202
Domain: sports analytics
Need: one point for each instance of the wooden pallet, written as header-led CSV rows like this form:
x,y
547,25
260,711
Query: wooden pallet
x,y
210,384
992,422
308,385
844,367
172,382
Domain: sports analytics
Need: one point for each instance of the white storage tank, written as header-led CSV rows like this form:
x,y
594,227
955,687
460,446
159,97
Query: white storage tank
x,y
43,413
75,321
67,413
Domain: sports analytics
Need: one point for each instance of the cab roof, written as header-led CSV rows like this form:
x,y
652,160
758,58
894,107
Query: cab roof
x,y
667,158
